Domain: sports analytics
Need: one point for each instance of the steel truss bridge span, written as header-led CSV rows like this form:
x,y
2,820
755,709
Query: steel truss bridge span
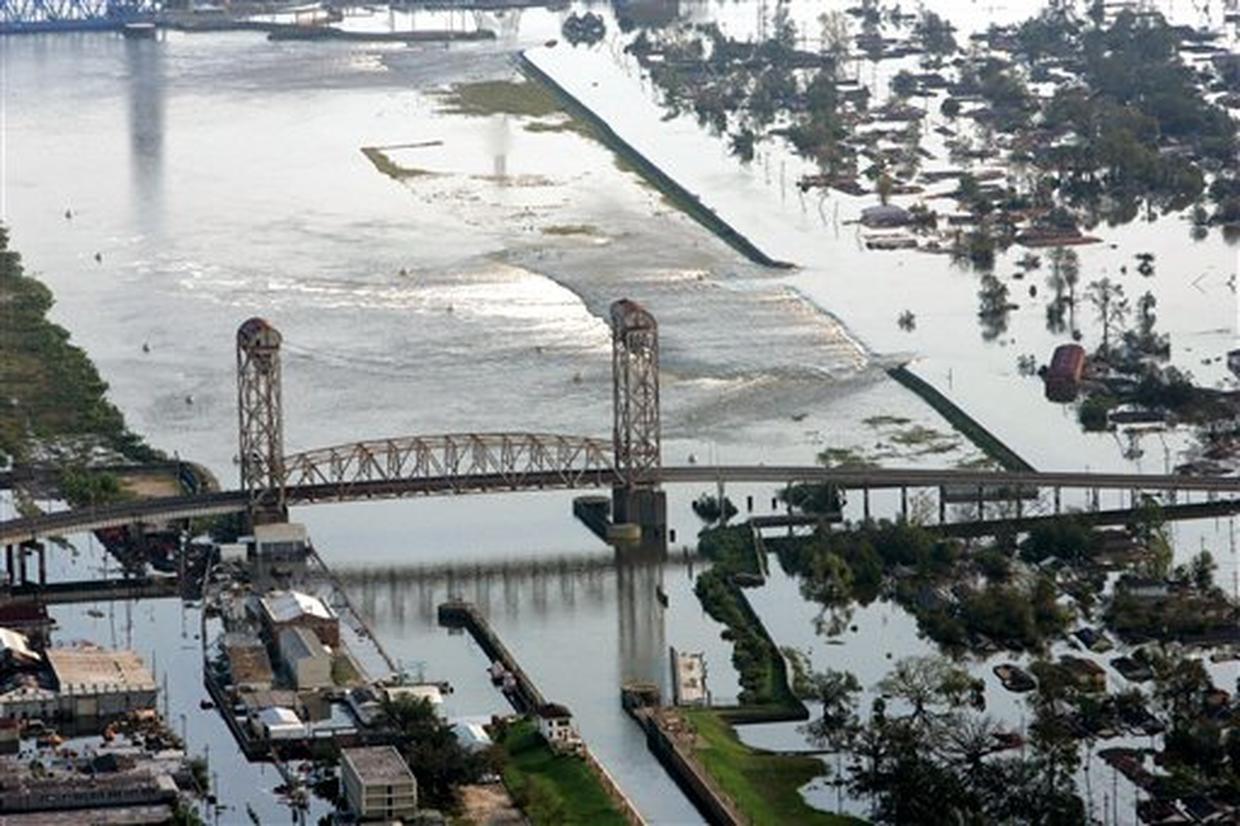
x,y
73,15
453,463
495,463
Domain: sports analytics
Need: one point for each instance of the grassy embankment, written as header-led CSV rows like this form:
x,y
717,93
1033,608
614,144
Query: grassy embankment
x,y
52,400
553,788
764,785
765,694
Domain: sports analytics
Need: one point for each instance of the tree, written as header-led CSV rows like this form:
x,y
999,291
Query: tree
x,y
837,691
1110,305
936,36
926,683
904,85
1201,570
1051,737
435,755
835,35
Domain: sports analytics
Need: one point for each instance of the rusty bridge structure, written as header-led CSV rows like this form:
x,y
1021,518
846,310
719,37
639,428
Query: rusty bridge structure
x,y
629,464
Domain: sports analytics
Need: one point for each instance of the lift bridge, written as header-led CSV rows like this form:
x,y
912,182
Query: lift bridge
x,y
18,16
629,464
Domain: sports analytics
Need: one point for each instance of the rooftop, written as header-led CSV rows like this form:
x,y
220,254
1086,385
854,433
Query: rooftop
x,y
90,668
376,764
301,643
287,606
281,532
16,644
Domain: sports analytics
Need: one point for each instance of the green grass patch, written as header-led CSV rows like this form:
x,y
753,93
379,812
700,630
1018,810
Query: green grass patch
x,y
391,168
553,788
50,391
500,97
764,785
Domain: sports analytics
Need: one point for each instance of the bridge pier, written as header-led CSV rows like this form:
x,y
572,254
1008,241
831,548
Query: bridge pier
x,y
942,506
904,503
865,503
1056,501
646,509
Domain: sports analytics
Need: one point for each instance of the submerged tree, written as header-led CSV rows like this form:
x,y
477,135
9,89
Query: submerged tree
x,y
1111,306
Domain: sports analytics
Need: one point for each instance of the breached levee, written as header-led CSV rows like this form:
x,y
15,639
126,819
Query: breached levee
x,y
620,128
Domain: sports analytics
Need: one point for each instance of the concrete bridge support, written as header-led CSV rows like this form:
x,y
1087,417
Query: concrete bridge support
x,y
636,431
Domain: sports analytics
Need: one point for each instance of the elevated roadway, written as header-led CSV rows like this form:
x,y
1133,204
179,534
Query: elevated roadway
x,y
210,504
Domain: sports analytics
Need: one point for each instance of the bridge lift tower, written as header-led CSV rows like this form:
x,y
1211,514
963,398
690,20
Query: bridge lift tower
x,y
637,499
262,420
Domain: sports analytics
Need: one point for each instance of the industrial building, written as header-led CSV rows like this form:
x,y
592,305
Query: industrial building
x,y
84,683
248,662
378,784
308,663
288,609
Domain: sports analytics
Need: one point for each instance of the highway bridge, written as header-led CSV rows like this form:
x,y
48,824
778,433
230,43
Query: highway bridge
x,y
374,485
629,463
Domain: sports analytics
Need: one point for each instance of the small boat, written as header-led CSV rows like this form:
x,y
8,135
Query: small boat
x,y
206,705
661,595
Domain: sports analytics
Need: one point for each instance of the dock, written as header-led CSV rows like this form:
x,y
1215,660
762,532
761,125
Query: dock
x,y
525,696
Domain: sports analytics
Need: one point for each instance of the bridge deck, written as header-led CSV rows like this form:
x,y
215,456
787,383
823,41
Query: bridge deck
x,y
182,507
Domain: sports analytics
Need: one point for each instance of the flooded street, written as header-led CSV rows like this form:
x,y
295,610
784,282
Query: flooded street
x,y
213,177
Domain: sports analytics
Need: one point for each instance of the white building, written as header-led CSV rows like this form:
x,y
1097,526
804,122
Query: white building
x,y
471,733
308,663
276,723
281,542
378,784
555,724
286,609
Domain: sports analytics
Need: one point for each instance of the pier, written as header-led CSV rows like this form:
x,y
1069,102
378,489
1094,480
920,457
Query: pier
x,y
525,696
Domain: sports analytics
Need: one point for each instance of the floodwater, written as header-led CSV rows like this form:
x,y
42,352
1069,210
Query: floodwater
x,y
220,176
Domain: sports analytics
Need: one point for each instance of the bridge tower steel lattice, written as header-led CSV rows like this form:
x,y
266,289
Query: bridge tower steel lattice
x,y
261,418
637,431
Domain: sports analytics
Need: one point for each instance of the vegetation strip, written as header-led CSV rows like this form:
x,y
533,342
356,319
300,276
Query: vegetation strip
x,y
970,428
764,785
54,397
677,194
553,788
765,695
